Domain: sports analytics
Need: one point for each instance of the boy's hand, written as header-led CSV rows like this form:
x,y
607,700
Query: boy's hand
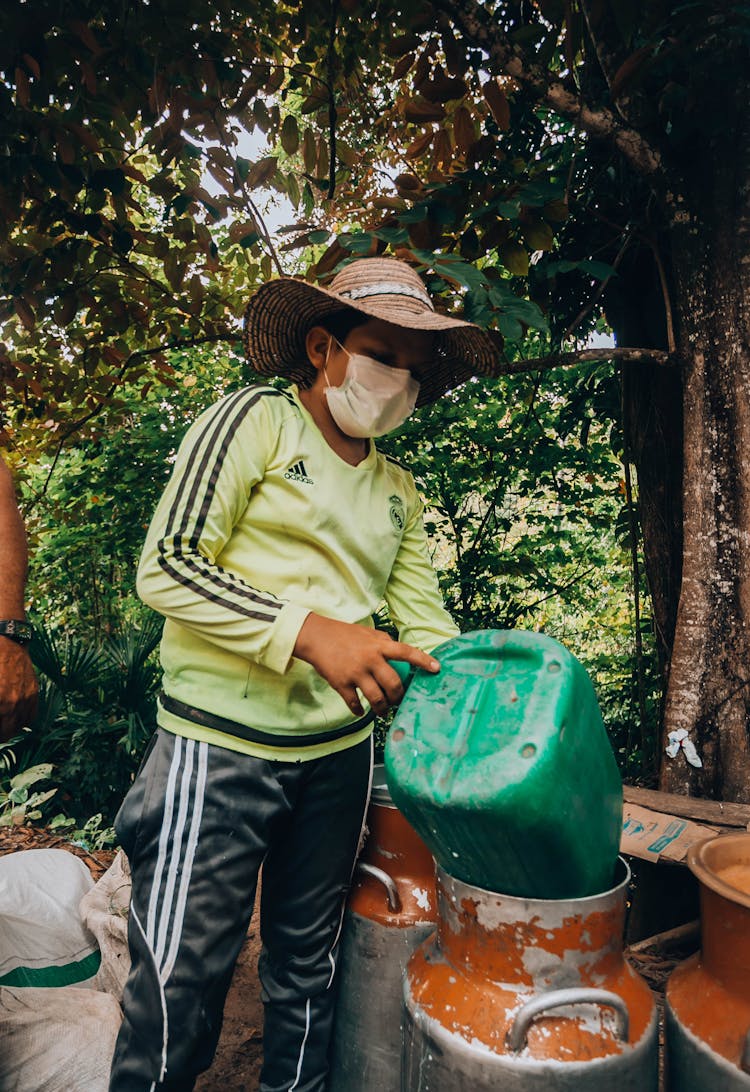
x,y
351,657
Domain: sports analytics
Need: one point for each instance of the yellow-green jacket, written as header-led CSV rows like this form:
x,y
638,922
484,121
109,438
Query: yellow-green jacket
x,y
260,524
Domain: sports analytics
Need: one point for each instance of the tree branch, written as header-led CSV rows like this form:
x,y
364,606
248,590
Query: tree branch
x,y
671,342
331,72
243,186
607,42
636,578
601,288
131,359
558,589
586,356
478,27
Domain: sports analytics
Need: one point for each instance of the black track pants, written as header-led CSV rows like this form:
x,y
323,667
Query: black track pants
x,y
196,826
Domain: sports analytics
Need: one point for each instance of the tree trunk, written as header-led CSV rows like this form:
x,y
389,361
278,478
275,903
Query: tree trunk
x,y
709,679
652,411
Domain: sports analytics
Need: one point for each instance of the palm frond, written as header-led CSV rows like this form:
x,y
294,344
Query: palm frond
x,y
72,665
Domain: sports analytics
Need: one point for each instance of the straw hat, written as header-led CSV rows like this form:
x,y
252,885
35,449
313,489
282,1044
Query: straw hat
x,y
282,311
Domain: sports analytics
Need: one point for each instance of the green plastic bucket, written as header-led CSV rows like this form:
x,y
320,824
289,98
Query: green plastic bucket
x,y
503,766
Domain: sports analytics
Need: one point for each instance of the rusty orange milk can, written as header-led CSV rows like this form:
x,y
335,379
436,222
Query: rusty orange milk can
x,y
391,909
708,996
528,995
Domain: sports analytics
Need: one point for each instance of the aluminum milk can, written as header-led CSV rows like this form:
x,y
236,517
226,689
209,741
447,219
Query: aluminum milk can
x,y
708,996
527,995
390,911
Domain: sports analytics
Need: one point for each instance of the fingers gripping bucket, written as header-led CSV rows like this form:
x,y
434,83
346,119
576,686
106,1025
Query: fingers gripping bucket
x,y
708,996
528,995
390,911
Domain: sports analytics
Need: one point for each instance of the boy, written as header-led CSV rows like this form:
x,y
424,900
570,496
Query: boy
x,y
281,531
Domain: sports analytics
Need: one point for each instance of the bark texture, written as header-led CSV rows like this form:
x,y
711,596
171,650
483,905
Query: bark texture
x,y
709,680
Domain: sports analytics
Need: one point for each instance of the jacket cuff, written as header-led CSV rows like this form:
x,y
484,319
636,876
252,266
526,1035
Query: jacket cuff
x,y
283,637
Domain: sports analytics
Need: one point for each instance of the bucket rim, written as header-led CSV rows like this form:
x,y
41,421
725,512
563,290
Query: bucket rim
x,y
700,863
621,866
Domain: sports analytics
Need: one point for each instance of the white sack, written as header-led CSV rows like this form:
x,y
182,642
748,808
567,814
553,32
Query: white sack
x,y
56,1040
43,941
104,911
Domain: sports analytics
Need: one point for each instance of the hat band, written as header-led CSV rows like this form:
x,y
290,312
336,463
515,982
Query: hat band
x,y
386,288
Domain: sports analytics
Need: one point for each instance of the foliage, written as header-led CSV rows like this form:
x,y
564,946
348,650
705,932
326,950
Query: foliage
x,y
87,515
97,710
108,118
520,531
472,139
527,519
19,805
122,166
8,753
93,835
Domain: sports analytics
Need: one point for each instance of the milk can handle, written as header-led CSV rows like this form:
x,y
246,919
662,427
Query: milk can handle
x,y
394,902
555,999
745,1059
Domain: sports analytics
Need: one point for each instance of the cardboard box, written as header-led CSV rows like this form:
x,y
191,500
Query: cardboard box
x,y
653,835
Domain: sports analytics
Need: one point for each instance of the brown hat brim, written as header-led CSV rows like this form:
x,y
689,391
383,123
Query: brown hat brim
x,y
281,312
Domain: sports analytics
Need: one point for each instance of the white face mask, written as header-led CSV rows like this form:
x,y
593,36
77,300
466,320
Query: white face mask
x,y
373,399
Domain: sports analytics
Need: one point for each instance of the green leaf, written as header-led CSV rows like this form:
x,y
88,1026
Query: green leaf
x,y
392,235
600,270
414,215
515,258
290,135
359,243
541,191
30,776
292,189
538,236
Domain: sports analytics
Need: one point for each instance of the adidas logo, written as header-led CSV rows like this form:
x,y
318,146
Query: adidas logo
x,y
297,473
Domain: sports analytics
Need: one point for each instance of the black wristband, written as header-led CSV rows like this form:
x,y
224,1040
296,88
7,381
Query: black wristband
x,y
17,630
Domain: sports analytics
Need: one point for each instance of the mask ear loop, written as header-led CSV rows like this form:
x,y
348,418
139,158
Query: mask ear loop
x,y
328,353
325,362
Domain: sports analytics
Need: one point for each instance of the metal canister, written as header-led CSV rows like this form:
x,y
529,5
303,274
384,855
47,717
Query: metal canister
x,y
528,995
391,909
708,996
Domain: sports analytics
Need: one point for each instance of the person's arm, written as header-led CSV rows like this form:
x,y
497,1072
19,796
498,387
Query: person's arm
x,y
18,685
222,458
412,594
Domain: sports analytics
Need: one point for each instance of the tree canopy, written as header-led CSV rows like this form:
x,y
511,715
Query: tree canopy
x,y
131,222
